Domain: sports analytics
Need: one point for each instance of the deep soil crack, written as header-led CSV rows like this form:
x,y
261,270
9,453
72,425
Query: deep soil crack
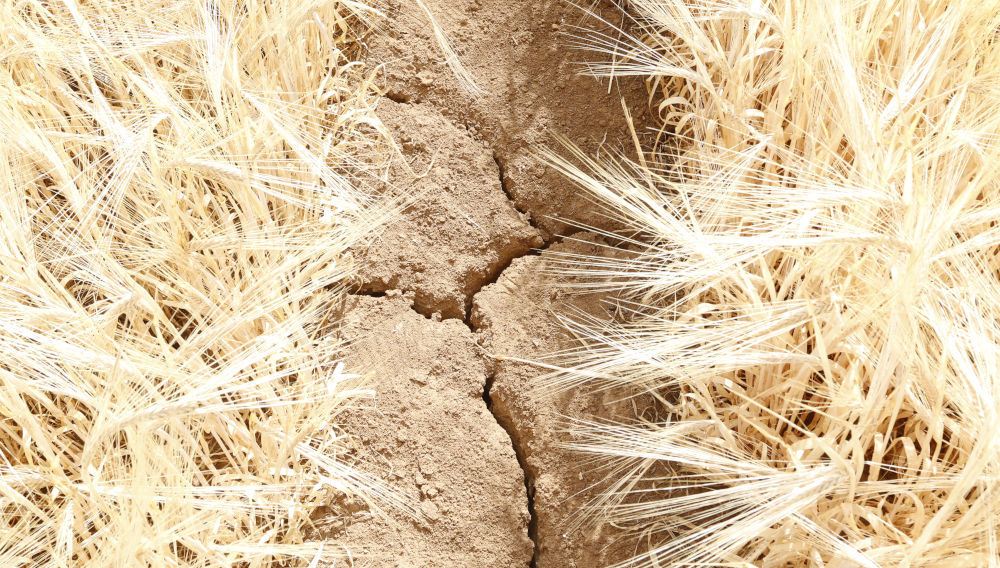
x,y
529,481
519,453
504,185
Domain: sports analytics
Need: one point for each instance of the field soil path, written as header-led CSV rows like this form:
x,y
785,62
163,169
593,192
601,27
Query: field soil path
x,y
458,283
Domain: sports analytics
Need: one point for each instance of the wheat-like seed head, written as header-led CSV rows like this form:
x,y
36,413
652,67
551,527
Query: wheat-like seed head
x,y
812,295
180,182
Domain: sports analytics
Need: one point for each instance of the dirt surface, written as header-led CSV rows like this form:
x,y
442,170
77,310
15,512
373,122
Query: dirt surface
x,y
517,52
503,493
516,317
433,439
460,232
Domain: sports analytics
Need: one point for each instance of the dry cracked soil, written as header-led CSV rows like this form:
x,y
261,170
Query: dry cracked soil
x,y
459,283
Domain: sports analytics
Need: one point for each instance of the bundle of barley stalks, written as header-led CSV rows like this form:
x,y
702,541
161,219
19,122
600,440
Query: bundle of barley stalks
x,y
181,181
812,286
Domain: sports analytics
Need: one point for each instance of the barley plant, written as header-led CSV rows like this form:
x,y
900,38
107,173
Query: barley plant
x,y
181,182
809,299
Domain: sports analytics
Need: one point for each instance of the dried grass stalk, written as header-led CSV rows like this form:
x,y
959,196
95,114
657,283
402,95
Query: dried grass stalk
x,y
813,299
181,181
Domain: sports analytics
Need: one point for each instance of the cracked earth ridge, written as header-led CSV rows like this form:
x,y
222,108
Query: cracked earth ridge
x,y
388,319
458,283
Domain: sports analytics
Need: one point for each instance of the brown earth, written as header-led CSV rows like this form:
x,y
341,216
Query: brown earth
x,y
461,230
515,316
462,257
534,90
433,439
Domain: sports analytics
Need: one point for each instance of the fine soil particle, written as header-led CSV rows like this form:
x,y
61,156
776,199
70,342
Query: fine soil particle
x,y
461,229
431,438
518,52
516,316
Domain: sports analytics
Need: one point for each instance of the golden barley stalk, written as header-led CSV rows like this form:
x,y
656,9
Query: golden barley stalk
x,y
810,280
181,181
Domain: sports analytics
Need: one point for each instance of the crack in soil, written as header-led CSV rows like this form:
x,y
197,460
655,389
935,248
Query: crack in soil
x,y
495,273
510,197
509,429
512,433
517,51
529,482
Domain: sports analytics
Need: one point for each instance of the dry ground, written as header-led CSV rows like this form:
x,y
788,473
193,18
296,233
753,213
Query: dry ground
x,y
456,284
